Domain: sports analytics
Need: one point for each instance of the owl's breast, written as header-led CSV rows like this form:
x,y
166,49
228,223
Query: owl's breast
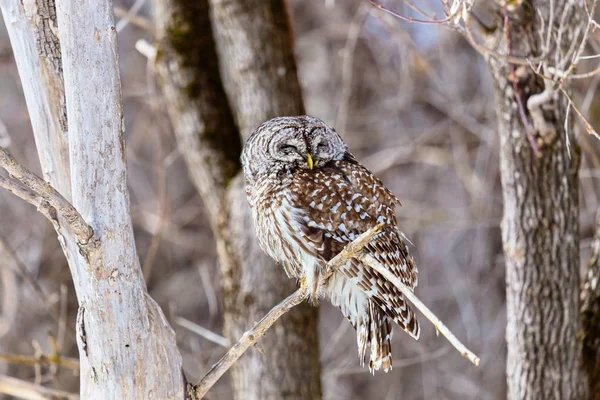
x,y
276,222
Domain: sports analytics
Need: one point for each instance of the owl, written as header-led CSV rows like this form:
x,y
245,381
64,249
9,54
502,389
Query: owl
x,y
310,197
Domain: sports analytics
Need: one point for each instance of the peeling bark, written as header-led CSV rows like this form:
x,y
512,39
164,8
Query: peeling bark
x,y
261,83
540,227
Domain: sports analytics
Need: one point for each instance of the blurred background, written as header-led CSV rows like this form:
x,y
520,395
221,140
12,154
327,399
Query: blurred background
x,y
415,104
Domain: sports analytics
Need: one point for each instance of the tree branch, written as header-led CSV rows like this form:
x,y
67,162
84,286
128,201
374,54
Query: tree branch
x,y
36,191
408,293
352,250
33,33
251,336
25,390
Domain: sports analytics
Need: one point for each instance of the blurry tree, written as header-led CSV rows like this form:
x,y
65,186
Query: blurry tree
x,y
539,162
591,316
252,43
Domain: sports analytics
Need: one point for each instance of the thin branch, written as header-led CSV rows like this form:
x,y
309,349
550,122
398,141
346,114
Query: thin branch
x,y
202,331
591,26
52,359
247,340
352,250
140,22
251,336
408,293
415,20
25,390
39,188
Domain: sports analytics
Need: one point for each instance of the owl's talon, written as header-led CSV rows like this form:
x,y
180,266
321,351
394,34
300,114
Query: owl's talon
x,y
303,282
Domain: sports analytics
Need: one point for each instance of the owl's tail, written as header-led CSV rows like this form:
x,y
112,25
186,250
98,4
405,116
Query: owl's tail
x,y
373,326
374,331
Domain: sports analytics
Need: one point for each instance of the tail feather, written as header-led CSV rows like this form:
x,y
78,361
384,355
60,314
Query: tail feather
x,y
381,340
372,320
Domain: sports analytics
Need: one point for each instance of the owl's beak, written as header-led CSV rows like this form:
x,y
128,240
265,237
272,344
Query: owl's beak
x,y
309,161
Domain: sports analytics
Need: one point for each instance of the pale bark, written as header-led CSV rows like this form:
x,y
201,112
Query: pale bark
x,y
540,228
262,84
33,31
127,349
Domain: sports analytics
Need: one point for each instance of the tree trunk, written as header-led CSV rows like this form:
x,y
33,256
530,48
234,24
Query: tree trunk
x,y
127,348
590,311
33,36
540,229
259,68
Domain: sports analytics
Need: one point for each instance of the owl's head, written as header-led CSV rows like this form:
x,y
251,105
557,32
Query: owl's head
x,y
289,143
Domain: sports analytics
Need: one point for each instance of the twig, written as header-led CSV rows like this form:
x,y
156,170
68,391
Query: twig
x,y
584,40
37,187
415,20
487,52
352,250
247,340
18,190
202,331
258,330
588,127
25,390
140,22
31,361
408,293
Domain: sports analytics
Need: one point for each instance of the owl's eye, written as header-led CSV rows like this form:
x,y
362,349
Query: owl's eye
x,y
288,149
321,147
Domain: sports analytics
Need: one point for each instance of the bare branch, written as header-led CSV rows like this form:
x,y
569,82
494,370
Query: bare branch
x,y
591,26
408,293
51,359
25,390
415,20
352,250
36,186
250,337
202,331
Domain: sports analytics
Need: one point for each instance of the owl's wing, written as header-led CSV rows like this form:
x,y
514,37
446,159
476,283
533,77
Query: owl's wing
x,y
341,201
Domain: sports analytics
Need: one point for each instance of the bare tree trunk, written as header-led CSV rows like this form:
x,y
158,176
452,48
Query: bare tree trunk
x,y
540,228
127,348
33,36
590,311
210,142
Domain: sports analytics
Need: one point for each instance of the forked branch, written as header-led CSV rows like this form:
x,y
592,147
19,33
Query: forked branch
x,y
352,250
40,193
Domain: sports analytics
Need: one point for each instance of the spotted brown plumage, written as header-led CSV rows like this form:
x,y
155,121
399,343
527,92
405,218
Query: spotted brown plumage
x,y
310,198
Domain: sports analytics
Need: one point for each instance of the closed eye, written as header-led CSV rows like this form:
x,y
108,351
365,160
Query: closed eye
x,y
288,149
322,146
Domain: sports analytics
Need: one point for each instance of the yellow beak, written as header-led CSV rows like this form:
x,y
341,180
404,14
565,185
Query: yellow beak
x,y
309,161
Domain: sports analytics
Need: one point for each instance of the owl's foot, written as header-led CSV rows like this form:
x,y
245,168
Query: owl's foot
x,y
303,282
313,296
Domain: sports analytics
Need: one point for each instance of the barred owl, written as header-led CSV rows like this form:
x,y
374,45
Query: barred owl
x,y
310,198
